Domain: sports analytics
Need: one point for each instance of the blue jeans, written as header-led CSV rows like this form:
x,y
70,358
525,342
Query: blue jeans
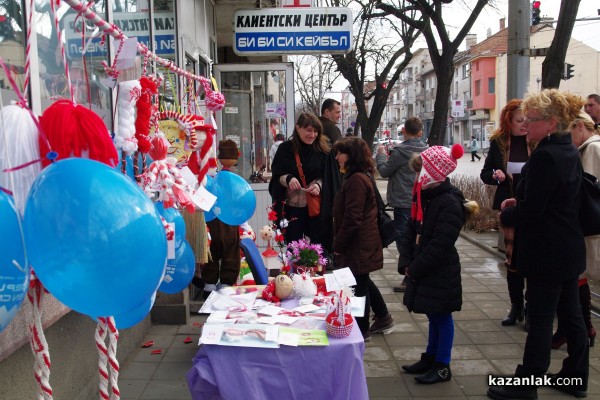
x,y
401,216
441,337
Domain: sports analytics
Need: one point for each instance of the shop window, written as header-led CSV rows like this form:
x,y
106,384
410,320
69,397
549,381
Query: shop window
x,y
12,48
85,68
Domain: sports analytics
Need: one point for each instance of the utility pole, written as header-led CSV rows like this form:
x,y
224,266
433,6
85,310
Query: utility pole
x,y
518,49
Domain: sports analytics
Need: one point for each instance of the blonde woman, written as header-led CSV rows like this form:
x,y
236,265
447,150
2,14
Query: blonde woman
x,y
586,137
549,248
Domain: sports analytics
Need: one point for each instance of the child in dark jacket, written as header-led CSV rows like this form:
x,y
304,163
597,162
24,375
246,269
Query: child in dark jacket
x,y
429,259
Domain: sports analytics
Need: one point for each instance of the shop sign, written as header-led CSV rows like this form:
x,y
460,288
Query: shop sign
x,y
131,24
293,31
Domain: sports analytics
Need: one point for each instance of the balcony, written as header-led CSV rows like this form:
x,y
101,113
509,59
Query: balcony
x,y
469,103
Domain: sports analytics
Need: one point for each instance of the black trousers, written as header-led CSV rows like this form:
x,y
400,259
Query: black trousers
x,y
544,299
366,287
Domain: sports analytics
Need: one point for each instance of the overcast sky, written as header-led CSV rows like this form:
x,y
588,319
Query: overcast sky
x,y
585,31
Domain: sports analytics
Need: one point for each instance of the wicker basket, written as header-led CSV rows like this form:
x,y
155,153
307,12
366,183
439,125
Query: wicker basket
x,y
334,329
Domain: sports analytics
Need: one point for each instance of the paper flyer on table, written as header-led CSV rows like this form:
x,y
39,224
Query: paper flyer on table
x,y
339,279
307,337
250,335
218,302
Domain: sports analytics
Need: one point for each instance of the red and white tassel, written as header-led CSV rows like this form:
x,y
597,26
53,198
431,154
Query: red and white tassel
x,y
39,346
100,336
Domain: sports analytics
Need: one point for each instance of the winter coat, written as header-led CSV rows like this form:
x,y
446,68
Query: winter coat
x,y
285,163
590,158
356,235
428,253
330,130
497,159
549,242
401,177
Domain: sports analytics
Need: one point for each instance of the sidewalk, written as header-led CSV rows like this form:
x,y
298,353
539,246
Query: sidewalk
x,y
482,345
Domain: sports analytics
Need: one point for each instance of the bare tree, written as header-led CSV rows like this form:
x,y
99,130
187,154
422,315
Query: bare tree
x,y
553,65
443,61
381,51
314,75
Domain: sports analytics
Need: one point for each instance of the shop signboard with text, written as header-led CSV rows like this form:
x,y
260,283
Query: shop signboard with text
x,y
293,31
131,24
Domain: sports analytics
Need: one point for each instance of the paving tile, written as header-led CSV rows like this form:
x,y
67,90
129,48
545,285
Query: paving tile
x,y
490,337
138,370
172,370
408,339
166,390
507,350
180,354
387,388
473,385
477,326
378,353
466,352
468,315
378,369
132,388
472,367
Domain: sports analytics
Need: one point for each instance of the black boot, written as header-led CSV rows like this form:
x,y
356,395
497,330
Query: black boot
x,y
512,392
585,299
421,366
515,314
438,372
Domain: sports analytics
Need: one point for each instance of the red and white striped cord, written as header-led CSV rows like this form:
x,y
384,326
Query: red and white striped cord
x,y
53,4
39,346
100,336
108,358
28,48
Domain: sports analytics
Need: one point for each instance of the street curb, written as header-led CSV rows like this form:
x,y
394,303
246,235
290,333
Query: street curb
x,y
482,245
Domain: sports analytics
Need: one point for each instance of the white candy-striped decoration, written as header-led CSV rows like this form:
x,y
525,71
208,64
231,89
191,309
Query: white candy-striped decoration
x,y
125,140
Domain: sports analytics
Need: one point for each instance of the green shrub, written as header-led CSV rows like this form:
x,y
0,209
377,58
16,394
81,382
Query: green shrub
x,y
474,189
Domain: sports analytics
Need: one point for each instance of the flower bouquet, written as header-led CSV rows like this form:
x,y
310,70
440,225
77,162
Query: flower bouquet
x,y
304,256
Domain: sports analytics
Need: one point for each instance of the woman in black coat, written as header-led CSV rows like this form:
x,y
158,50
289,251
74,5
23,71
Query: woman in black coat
x,y
549,247
286,184
430,260
509,150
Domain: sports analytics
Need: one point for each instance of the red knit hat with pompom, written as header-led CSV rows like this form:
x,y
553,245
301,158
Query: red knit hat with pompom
x,y
438,163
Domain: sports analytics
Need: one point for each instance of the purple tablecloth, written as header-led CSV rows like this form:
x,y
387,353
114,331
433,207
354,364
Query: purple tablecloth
x,y
331,372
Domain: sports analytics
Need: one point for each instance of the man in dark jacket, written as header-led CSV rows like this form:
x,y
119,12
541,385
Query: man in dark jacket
x,y
330,116
401,177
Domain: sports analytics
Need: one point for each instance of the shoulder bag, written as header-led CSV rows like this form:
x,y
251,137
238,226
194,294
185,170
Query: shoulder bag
x,y
589,210
388,231
313,202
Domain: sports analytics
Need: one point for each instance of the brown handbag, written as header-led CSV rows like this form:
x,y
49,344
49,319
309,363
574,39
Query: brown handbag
x,y
313,202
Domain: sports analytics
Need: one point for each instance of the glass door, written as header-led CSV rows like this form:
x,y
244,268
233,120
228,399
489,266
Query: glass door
x,y
259,105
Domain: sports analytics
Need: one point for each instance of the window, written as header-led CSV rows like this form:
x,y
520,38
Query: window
x,y
491,85
477,87
465,71
477,66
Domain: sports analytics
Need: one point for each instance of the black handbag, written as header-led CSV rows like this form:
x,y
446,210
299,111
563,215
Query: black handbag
x,y
589,210
388,231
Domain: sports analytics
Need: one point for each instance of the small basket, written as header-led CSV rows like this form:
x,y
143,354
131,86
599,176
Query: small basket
x,y
334,329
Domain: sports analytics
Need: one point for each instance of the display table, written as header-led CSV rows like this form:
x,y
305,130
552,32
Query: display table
x,y
329,372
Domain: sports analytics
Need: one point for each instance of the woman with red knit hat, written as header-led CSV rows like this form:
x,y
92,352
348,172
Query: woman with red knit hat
x,y
429,258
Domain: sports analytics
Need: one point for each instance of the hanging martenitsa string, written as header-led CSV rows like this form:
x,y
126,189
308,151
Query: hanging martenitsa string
x,y
20,132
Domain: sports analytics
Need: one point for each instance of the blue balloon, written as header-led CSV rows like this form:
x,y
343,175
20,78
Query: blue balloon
x,y
131,318
179,274
93,237
172,215
209,215
236,200
14,268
